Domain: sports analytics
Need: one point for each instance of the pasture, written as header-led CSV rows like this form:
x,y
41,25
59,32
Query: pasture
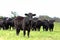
x,y
34,35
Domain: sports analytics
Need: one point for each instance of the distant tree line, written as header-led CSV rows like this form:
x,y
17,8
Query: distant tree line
x,y
42,17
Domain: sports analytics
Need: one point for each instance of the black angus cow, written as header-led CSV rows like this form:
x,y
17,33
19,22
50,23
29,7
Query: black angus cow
x,y
42,23
11,23
2,24
45,24
8,23
39,24
48,25
23,23
51,25
34,23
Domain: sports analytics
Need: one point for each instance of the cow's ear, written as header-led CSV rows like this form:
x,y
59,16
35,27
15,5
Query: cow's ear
x,y
26,14
34,14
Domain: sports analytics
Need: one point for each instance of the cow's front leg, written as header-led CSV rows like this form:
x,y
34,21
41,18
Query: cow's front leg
x,y
28,32
17,31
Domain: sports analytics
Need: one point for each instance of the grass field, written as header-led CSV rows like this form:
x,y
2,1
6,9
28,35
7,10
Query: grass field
x,y
34,35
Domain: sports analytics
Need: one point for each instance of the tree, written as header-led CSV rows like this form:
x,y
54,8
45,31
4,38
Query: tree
x,y
42,17
14,14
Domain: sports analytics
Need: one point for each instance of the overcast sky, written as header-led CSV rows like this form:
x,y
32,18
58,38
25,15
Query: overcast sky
x,y
39,7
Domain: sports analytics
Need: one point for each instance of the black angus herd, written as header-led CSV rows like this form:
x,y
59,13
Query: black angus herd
x,y
26,24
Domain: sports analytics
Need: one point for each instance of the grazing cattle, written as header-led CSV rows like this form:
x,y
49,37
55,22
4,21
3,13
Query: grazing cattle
x,y
45,25
2,24
34,23
39,24
11,23
51,25
48,25
8,23
23,23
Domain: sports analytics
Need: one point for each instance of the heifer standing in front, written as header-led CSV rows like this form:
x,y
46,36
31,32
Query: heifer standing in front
x,y
24,23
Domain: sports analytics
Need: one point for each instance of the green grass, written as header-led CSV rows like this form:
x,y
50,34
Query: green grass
x,y
34,35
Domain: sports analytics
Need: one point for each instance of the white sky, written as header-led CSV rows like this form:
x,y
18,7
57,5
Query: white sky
x,y
40,7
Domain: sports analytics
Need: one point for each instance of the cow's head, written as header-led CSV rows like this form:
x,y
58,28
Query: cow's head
x,y
30,15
